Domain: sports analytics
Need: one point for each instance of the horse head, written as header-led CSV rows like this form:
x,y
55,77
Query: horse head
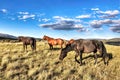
x,y
20,38
64,51
63,54
45,37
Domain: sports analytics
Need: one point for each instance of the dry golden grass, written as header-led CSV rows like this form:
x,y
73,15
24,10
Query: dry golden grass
x,y
43,64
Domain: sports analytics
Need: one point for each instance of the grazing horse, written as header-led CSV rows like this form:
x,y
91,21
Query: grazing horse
x,y
52,41
28,41
85,46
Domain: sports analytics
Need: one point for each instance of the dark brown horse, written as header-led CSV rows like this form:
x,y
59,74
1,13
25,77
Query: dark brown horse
x,y
85,46
52,41
28,41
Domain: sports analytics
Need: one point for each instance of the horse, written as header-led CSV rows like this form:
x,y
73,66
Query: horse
x,y
81,46
52,41
70,41
28,41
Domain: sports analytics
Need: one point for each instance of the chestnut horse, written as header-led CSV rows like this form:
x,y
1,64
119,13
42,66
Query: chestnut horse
x,y
28,41
52,41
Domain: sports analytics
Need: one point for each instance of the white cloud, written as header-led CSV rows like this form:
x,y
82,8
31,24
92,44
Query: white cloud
x,y
59,18
113,24
116,21
3,10
114,12
40,14
62,25
45,19
32,16
83,16
24,13
78,26
108,13
115,28
83,30
95,24
95,9
99,23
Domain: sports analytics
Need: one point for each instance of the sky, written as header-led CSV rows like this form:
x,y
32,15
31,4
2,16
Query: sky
x,y
66,19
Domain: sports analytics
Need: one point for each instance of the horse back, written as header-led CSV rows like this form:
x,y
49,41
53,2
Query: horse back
x,y
60,41
29,40
85,45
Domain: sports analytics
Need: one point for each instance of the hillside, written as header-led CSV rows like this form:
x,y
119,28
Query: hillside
x,y
7,36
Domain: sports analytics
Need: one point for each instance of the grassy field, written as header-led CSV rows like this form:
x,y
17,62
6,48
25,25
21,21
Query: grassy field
x,y
43,64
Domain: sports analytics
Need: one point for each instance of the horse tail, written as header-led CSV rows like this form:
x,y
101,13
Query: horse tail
x,y
104,53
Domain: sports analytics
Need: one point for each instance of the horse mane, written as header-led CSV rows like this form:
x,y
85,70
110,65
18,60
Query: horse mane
x,y
20,36
48,37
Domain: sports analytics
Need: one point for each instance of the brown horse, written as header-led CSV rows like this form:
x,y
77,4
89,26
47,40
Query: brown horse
x,y
52,41
85,46
28,41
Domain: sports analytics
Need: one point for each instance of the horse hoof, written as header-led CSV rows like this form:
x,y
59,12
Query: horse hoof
x,y
95,63
57,62
80,64
83,63
106,63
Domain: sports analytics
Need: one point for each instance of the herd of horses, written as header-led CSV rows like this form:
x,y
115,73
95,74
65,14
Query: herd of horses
x,y
80,46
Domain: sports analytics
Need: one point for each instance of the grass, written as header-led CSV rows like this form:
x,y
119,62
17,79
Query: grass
x,y
43,64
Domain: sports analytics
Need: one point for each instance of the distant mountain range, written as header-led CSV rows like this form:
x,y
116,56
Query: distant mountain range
x,y
115,39
7,36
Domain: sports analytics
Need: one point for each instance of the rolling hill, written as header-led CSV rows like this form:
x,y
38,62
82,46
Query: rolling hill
x,y
7,36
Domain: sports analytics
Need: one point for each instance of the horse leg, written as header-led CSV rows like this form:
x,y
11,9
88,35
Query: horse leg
x,y
95,58
26,47
61,46
76,58
104,58
32,47
80,58
77,54
51,47
23,47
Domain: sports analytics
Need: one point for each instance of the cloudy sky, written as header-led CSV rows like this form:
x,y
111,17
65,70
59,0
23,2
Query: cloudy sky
x,y
61,18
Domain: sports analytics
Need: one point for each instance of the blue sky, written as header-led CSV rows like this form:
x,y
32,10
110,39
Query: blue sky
x,y
61,18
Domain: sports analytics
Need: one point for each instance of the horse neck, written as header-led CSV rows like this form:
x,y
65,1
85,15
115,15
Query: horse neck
x,y
21,39
24,39
68,48
47,38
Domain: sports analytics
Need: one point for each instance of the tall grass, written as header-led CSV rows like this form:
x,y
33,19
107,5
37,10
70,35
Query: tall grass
x,y
44,64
